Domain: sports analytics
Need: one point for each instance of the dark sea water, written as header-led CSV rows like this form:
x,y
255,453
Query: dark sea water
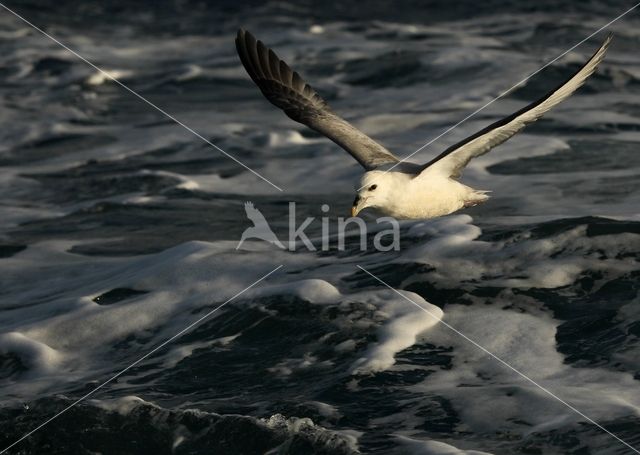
x,y
118,229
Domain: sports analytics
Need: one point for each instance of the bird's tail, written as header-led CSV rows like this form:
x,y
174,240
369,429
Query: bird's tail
x,y
476,197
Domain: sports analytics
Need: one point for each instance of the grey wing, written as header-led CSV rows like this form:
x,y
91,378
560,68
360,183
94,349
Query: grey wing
x,y
284,88
452,161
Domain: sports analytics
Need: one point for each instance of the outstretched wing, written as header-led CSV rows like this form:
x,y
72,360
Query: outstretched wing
x,y
285,88
452,161
254,214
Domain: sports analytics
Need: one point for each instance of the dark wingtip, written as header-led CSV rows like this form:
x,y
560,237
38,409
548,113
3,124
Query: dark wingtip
x,y
239,38
609,38
605,44
243,36
241,48
240,35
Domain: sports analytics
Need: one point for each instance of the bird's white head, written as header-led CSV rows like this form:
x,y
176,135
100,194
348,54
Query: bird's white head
x,y
376,190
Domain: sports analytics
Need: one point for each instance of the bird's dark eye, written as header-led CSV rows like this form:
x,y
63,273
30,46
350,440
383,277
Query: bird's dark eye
x,y
373,187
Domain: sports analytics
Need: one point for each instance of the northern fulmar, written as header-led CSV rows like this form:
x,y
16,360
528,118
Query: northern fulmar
x,y
392,186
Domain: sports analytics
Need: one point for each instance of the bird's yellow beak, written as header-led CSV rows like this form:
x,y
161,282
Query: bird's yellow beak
x,y
357,206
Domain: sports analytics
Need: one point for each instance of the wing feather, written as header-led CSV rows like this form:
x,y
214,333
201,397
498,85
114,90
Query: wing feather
x,y
284,88
452,161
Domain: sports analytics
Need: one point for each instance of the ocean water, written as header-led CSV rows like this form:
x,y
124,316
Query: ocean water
x,y
118,229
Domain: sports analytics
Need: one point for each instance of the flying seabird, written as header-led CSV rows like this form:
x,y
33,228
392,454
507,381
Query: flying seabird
x,y
408,190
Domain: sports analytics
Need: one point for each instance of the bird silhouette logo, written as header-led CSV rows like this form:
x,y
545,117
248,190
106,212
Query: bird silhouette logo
x,y
260,229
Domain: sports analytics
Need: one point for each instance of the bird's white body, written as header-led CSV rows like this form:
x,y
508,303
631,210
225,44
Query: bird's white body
x,y
425,195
